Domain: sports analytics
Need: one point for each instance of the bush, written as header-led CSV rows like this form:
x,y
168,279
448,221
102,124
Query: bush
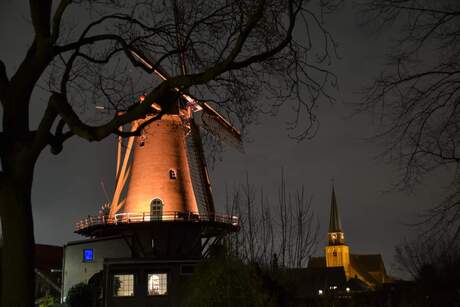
x,y
79,296
227,281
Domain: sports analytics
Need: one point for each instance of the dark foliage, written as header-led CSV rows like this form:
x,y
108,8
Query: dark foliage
x,y
79,295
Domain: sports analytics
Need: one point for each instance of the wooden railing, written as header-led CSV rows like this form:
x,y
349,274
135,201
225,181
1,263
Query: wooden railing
x,y
173,216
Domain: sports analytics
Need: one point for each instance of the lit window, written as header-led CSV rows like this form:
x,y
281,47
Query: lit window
x,y
123,285
320,292
157,284
88,255
334,236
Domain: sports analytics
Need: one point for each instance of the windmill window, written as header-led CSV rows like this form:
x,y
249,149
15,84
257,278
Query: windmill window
x,y
142,141
172,174
156,208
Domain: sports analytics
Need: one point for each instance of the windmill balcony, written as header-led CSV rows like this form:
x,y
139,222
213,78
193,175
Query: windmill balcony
x,y
144,217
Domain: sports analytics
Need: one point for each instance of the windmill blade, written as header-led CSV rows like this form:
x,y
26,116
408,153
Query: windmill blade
x,y
198,171
216,124
147,62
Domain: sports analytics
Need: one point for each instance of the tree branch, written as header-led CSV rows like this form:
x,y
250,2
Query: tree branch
x,y
57,19
97,133
42,135
40,11
269,53
4,82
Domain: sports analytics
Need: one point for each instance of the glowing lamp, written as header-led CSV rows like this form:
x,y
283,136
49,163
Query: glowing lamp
x,y
88,255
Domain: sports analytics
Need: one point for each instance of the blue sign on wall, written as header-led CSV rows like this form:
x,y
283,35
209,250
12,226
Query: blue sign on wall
x,y
88,255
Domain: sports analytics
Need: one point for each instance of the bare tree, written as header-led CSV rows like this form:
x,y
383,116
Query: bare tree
x,y
286,236
240,55
416,97
434,264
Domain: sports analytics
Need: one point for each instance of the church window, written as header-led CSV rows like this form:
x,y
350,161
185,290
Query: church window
x,y
334,236
156,208
123,285
172,174
157,284
334,253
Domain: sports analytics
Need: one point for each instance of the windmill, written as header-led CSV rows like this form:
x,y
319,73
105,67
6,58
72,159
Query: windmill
x,y
161,221
161,175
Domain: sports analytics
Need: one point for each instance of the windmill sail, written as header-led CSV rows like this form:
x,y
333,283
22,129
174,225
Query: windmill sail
x,y
147,61
220,127
198,171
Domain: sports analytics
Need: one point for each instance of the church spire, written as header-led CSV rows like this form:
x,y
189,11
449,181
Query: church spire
x,y
334,222
335,233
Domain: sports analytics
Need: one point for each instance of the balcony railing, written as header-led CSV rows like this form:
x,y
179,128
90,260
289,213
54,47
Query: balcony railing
x,y
168,216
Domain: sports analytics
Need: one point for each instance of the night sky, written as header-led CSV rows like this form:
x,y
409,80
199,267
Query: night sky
x,y
67,187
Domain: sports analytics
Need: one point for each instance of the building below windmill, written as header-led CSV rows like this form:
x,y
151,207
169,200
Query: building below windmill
x,y
365,270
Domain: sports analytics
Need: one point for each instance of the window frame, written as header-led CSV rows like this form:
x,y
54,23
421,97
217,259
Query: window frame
x,y
157,213
160,284
172,174
133,284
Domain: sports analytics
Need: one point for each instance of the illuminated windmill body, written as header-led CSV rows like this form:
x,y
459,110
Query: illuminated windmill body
x,y
161,175
161,179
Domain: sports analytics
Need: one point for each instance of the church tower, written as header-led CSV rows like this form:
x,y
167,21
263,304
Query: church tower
x,y
337,253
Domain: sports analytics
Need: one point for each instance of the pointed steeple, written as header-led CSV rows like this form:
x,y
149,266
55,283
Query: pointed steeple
x,y
334,222
335,233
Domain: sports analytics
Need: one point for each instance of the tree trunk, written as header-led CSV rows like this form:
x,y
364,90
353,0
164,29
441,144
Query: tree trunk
x,y
17,271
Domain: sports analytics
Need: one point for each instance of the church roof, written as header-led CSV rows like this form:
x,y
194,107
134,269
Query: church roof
x,y
370,266
334,223
369,263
